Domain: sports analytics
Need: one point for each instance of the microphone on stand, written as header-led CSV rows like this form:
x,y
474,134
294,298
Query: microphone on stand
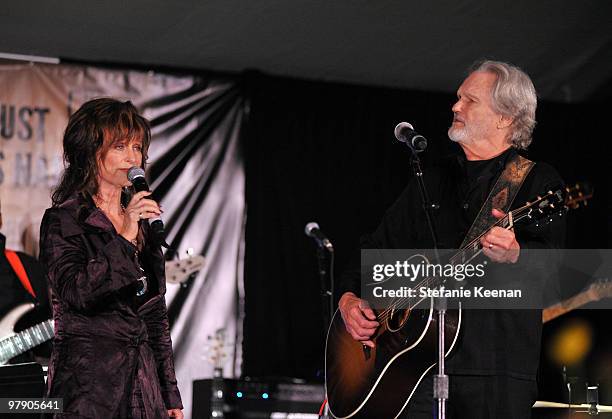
x,y
405,133
312,230
137,177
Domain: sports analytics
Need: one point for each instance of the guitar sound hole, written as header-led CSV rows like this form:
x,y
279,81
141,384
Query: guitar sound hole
x,y
397,319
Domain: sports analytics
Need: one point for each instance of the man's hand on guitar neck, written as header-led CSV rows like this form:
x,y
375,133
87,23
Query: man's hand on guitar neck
x,y
499,244
359,318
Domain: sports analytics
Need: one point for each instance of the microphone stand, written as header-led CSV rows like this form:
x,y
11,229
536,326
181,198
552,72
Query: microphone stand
x,y
327,292
440,383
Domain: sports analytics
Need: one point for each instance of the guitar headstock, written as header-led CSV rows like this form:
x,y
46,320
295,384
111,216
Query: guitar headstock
x,y
543,208
602,288
179,271
553,203
218,350
578,194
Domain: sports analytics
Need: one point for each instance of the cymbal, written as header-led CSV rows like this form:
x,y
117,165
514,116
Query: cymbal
x,y
600,407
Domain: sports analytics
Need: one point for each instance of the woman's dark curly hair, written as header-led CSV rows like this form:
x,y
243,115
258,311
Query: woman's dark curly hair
x,y
90,133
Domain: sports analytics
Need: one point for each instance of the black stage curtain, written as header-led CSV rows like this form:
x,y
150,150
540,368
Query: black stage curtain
x,y
326,152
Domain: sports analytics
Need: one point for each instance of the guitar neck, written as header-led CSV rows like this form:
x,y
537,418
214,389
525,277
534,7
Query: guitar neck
x,y
566,306
473,248
25,340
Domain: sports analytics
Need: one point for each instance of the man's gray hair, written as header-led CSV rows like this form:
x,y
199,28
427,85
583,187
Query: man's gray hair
x,y
514,96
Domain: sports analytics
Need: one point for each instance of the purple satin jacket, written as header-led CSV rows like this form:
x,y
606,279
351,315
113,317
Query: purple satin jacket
x,y
112,353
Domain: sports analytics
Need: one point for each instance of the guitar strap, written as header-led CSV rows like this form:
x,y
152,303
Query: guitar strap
x,y
501,196
18,268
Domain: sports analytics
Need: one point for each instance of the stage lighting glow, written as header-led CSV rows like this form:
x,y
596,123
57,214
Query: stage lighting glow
x,y
571,344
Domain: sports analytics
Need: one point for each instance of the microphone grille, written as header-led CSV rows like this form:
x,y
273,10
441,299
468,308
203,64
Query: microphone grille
x,y
399,127
134,173
309,227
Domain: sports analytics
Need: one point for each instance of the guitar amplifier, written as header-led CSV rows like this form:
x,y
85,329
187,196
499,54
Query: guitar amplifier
x,y
254,399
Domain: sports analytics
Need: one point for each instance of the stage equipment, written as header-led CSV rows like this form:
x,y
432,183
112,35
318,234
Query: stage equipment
x,y
405,133
254,398
553,410
137,177
324,247
312,230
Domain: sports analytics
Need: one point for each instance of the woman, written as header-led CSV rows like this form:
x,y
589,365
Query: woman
x,y
112,354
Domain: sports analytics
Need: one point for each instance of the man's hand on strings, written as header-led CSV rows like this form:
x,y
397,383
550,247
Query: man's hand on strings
x,y
499,244
359,318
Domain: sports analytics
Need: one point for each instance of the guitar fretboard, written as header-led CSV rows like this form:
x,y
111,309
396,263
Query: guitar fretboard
x,y
25,340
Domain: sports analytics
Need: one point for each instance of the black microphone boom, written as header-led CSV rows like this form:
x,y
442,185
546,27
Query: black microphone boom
x,y
137,177
313,230
405,133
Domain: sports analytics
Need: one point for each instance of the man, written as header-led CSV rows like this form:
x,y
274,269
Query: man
x,y
492,367
15,293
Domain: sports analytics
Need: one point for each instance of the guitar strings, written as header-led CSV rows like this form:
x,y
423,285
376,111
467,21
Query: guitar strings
x,y
517,216
384,315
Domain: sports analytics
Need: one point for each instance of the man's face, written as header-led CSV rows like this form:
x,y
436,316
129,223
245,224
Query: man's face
x,y
474,118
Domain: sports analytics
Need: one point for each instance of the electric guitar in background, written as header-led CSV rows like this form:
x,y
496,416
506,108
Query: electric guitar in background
x,y
179,271
363,382
602,288
13,344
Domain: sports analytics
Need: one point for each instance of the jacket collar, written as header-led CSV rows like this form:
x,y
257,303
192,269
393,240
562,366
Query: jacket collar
x,y
86,212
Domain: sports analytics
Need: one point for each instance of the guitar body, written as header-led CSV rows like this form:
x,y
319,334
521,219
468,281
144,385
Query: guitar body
x,y
379,382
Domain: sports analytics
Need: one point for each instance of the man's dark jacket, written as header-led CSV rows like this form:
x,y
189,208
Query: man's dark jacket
x,y
501,342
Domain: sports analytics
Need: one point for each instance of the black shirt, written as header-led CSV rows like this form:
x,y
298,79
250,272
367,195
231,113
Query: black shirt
x,y
490,341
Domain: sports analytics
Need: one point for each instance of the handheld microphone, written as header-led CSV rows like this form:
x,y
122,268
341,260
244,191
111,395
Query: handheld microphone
x,y
405,133
312,230
137,177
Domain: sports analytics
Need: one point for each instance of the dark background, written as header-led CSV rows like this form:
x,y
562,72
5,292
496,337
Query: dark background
x,y
326,152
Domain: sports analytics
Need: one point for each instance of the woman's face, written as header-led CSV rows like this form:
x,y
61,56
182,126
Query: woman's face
x,y
119,158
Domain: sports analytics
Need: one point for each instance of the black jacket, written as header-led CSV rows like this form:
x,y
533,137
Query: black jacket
x,y
490,341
